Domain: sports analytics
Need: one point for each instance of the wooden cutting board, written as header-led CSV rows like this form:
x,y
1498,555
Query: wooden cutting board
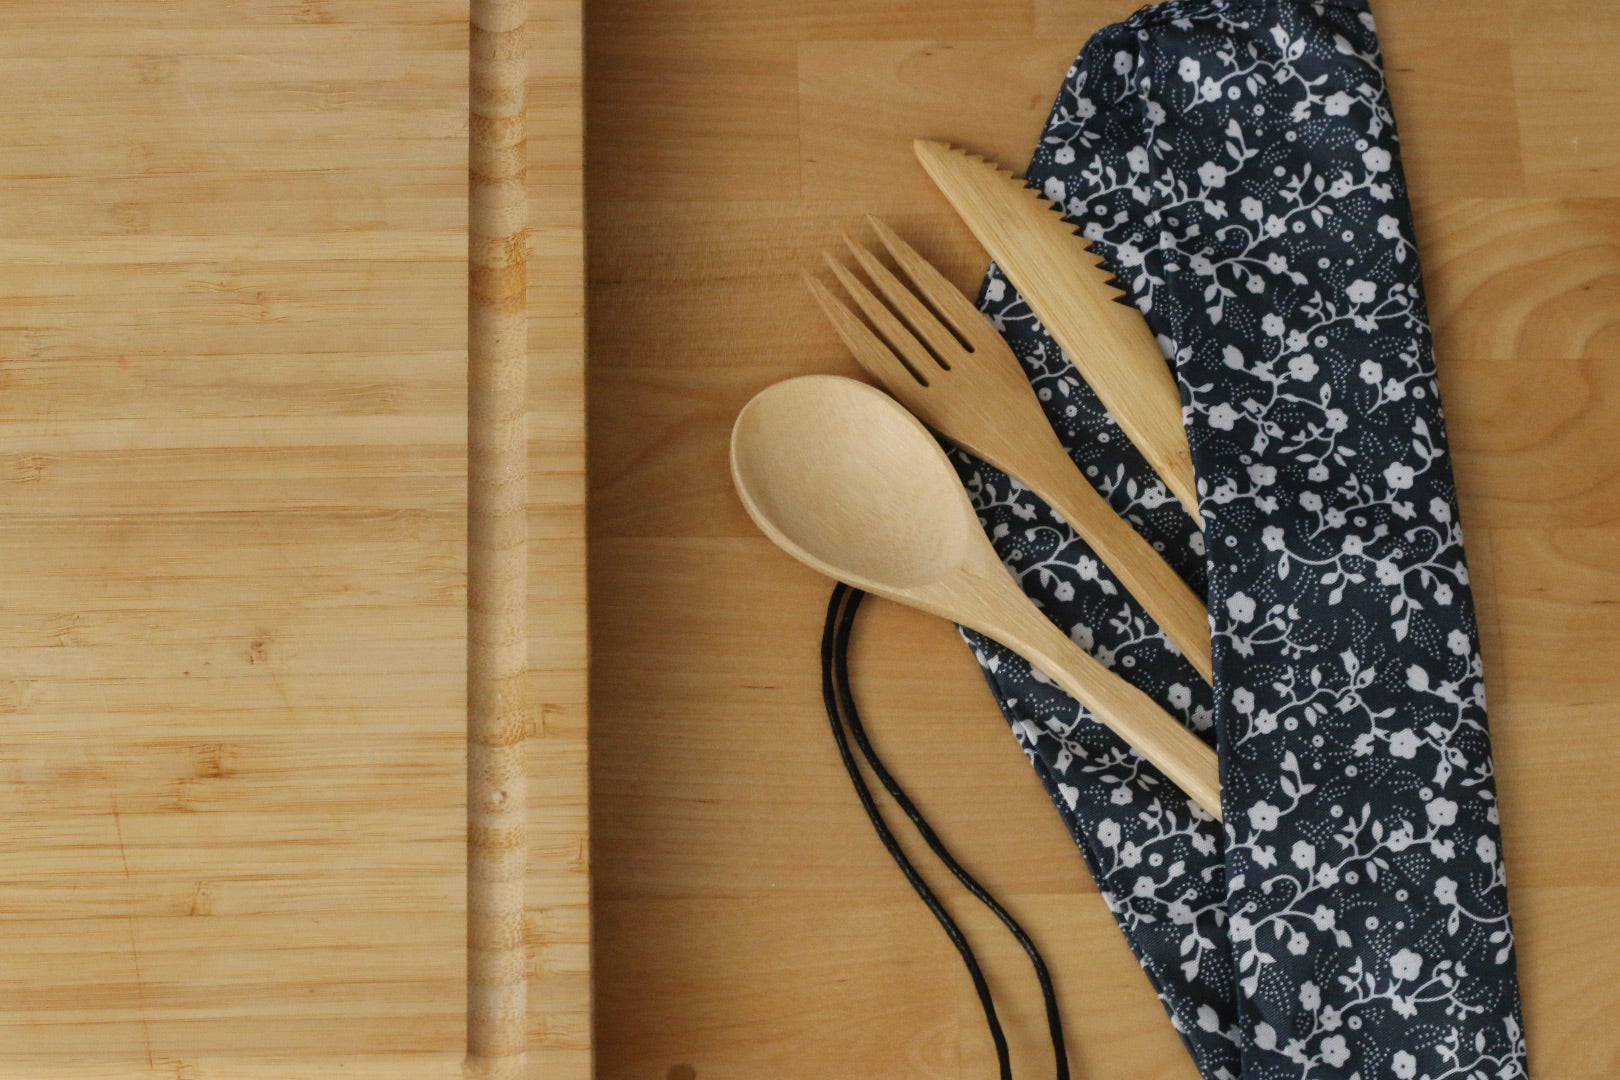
x,y
232,573
748,924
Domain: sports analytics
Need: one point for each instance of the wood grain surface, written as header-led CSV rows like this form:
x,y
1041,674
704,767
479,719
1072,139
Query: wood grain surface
x,y
233,244
497,537
748,924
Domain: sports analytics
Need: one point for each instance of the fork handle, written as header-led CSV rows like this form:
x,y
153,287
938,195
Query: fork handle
x,y
1168,600
1174,750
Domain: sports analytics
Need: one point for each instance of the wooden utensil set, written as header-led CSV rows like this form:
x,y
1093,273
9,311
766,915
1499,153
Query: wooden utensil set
x,y
846,480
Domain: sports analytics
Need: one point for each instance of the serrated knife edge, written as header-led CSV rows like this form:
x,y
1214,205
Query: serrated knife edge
x,y
1055,270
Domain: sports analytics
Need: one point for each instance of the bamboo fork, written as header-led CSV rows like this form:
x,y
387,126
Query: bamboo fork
x,y
940,357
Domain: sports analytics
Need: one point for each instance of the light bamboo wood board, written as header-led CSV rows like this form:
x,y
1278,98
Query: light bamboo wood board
x,y
232,527
748,924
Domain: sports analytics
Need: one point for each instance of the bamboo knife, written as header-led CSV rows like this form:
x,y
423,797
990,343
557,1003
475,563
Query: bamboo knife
x,y
1055,270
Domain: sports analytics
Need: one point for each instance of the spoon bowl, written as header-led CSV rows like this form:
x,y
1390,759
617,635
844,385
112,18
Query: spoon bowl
x,y
852,483
840,476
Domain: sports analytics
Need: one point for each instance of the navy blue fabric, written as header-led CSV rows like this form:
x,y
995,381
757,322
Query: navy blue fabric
x,y
1237,165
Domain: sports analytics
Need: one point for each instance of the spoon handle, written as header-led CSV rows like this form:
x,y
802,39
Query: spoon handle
x,y
1182,756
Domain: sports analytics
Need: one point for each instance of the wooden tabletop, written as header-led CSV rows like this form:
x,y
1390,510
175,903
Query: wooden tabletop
x,y
748,924
231,562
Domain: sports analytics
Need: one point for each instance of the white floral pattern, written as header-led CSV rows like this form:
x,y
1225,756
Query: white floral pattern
x,y
1236,163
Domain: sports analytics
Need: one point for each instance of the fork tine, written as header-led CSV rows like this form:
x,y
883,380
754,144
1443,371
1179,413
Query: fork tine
x,y
870,352
941,341
966,319
902,342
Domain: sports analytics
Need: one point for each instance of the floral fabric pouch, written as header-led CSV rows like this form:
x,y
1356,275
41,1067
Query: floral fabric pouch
x,y
1236,163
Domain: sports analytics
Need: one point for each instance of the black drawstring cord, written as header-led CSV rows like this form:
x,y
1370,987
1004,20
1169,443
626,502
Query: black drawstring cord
x,y
834,639
840,701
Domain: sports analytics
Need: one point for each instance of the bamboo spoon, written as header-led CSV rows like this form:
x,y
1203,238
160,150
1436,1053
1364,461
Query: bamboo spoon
x,y
842,478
